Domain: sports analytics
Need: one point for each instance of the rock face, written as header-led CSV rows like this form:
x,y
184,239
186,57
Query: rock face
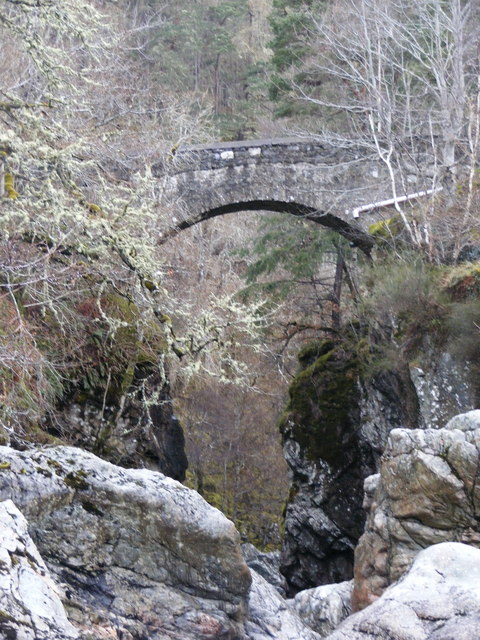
x,y
438,599
126,432
266,565
334,431
428,491
324,608
138,554
443,387
134,555
30,606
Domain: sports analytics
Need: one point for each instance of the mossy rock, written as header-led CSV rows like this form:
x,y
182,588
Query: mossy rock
x,y
76,480
322,413
134,346
386,229
463,281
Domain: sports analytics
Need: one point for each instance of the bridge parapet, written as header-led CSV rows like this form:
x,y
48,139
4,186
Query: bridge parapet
x,y
266,151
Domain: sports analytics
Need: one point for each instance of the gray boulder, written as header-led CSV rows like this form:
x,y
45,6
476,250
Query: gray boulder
x,y
30,605
437,599
271,618
325,607
428,491
138,554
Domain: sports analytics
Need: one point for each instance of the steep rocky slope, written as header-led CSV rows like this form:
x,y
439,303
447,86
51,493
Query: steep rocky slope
x,y
335,429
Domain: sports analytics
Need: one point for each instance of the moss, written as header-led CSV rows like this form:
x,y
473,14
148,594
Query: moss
x,y
5,465
37,435
44,472
91,508
386,229
56,466
315,350
323,401
76,480
150,285
93,208
9,183
117,351
6,616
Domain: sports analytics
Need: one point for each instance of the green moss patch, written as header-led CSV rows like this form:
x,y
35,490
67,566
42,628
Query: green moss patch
x,y
76,480
323,402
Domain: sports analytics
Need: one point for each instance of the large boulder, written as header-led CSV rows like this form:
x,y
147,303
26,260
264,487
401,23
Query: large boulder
x,y
271,618
428,491
437,599
324,608
30,605
138,554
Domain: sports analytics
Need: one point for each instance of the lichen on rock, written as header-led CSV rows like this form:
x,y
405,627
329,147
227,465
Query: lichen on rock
x,y
30,603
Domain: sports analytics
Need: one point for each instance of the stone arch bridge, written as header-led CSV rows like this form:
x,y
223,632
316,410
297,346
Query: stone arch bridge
x,y
329,185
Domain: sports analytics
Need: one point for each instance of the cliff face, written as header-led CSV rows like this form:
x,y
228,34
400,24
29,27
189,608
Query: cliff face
x,y
334,431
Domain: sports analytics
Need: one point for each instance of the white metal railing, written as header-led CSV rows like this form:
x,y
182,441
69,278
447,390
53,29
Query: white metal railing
x,y
385,203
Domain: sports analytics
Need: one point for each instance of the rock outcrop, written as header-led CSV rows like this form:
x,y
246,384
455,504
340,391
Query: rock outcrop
x,y
438,599
267,565
138,555
334,430
30,605
428,491
131,555
137,429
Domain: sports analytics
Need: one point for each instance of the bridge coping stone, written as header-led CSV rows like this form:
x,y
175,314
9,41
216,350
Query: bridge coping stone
x,y
245,144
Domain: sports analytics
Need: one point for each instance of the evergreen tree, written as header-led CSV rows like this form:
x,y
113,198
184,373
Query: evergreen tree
x,y
292,27
296,263
196,50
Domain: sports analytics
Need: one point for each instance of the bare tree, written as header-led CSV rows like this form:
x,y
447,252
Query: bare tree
x,y
406,78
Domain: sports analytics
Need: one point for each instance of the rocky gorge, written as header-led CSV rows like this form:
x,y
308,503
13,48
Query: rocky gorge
x,y
92,550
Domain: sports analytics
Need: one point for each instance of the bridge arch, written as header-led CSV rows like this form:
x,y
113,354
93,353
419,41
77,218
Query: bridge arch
x,y
353,234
